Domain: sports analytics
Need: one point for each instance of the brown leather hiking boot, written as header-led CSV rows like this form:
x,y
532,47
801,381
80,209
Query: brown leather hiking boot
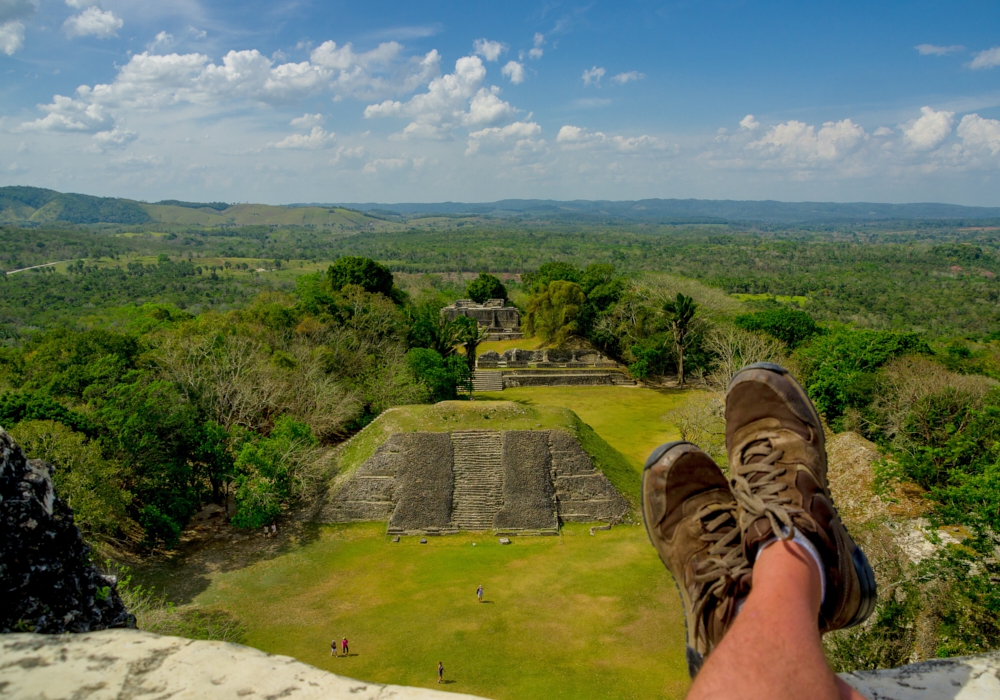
x,y
690,518
777,459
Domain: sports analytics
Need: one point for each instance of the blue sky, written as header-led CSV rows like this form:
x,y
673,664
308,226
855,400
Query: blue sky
x,y
401,101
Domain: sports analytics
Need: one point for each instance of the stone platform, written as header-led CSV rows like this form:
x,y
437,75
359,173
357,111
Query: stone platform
x,y
129,664
510,480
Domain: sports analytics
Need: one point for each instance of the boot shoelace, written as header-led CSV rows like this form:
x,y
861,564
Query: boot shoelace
x,y
725,566
763,496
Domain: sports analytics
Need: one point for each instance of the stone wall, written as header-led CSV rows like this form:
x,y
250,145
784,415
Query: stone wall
x,y
527,484
544,478
424,483
545,358
494,315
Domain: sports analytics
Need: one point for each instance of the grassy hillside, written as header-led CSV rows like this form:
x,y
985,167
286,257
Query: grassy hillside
x,y
492,415
263,214
35,205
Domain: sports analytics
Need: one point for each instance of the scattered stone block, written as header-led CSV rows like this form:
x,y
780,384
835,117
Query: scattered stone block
x,y
423,540
396,538
504,540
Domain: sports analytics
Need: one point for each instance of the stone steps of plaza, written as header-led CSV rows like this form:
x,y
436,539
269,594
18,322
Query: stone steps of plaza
x,y
487,381
478,493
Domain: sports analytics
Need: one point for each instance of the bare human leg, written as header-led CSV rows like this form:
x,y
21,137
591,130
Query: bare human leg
x,y
773,648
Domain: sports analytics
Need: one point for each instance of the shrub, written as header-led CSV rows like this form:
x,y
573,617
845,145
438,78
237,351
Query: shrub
x,y
838,369
441,375
552,313
790,326
485,287
371,276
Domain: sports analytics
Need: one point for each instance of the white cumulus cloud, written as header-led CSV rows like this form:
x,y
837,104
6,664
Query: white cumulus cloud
x,y
990,58
115,139
797,141
930,130
453,99
307,121
628,77
514,71
522,134
749,123
93,22
315,139
490,50
537,51
933,50
579,137
593,76
980,134
11,37
11,26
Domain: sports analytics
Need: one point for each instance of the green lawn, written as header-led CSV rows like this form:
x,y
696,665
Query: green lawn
x,y
630,419
572,616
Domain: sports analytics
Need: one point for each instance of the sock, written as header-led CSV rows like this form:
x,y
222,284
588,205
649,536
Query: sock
x,y
802,541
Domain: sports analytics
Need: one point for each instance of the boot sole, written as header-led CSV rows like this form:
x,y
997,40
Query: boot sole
x,y
862,568
692,656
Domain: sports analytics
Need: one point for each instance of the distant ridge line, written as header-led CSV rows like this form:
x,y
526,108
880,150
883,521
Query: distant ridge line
x,y
719,210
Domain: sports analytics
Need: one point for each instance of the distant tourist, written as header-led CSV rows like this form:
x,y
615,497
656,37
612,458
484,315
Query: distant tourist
x,y
274,529
333,647
266,532
440,672
479,593
343,644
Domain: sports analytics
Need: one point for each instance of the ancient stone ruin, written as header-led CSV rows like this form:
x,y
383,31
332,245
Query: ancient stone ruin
x,y
547,367
510,480
47,583
503,322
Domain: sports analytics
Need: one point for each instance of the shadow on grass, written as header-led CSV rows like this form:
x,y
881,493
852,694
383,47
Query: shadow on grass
x,y
184,573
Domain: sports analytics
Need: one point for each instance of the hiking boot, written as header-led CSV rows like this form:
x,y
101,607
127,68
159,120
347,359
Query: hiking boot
x,y
690,518
777,459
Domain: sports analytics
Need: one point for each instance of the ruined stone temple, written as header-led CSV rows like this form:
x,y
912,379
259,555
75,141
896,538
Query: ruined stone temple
x,y
507,480
502,321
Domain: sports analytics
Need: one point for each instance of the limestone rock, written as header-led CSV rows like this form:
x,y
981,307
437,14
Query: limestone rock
x,y
961,678
123,664
47,583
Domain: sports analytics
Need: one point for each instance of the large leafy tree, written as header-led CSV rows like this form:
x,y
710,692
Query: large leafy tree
x,y
553,312
371,276
484,287
680,313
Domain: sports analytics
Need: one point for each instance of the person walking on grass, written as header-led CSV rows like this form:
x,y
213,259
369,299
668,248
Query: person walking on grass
x,y
343,644
763,562
333,647
479,593
440,672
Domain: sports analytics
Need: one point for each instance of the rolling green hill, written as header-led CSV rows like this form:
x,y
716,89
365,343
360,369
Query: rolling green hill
x,y
34,205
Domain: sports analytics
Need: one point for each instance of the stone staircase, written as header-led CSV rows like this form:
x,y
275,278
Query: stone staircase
x,y
484,380
478,493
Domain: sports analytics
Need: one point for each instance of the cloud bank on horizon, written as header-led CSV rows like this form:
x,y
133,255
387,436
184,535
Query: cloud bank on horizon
x,y
282,103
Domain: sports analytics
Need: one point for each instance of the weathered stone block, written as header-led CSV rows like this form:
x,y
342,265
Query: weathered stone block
x,y
527,487
425,482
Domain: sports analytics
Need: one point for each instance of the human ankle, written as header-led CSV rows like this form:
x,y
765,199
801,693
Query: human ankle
x,y
785,567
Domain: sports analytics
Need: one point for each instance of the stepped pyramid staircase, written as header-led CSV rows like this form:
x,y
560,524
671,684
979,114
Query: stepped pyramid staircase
x,y
487,380
478,472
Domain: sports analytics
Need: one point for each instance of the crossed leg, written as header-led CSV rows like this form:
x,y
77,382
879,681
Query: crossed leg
x,y
773,648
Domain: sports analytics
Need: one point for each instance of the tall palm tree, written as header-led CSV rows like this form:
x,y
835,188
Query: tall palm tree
x,y
680,313
470,335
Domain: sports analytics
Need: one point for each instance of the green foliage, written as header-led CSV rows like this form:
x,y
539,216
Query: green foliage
x,y
838,369
371,276
441,375
266,472
429,329
17,406
680,314
92,485
549,272
790,326
485,287
553,311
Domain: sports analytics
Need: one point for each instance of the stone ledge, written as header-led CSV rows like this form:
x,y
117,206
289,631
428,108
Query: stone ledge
x,y
126,664
960,678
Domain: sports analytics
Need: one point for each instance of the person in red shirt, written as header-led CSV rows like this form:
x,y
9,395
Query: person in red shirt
x,y
343,645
